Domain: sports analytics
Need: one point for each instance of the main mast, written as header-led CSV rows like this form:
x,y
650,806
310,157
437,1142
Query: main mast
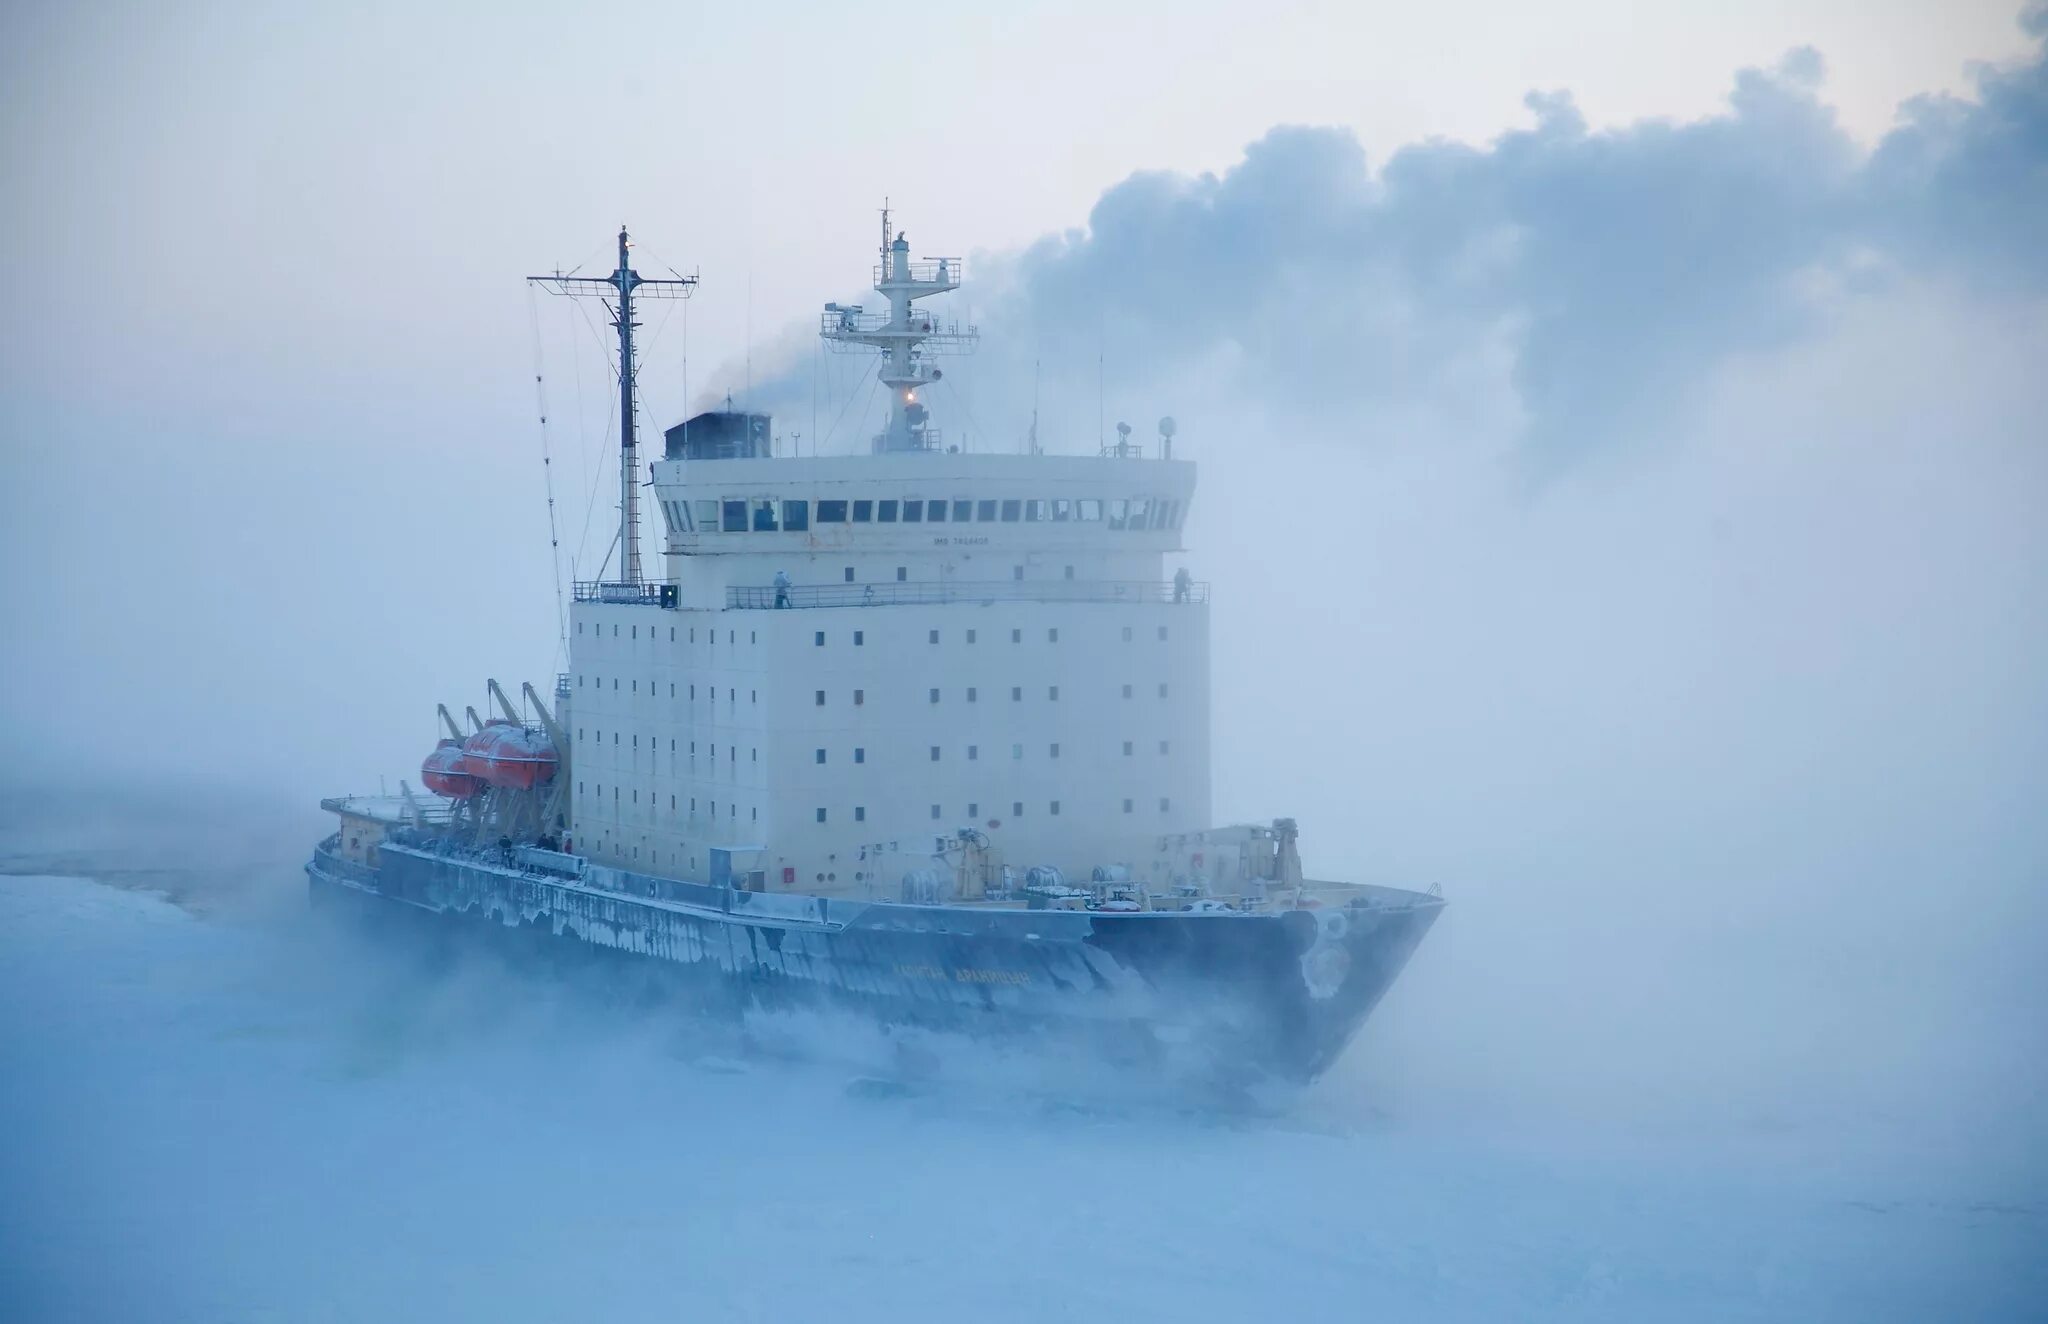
x,y
622,285
904,335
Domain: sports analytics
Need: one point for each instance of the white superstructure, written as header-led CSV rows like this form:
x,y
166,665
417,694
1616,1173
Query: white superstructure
x,y
848,659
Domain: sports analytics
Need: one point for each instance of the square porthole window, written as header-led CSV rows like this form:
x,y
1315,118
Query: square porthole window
x,y
860,755
1162,634
860,638
1052,692
818,639
860,697
1016,751
935,753
1127,807
821,815
1016,636
1055,808
1055,749
1016,809
970,694
1165,804
1016,572
974,811
935,696
1052,636
973,753
860,814
902,573
819,755
934,637
935,811
821,698
970,636
849,574
1127,634
1162,689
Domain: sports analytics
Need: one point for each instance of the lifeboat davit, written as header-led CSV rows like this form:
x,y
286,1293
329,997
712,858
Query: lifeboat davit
x,y
444,774
509,756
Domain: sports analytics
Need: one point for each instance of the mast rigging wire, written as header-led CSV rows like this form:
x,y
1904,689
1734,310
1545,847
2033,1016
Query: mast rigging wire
x,y
547,463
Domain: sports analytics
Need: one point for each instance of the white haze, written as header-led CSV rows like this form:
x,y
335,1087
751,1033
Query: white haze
x,y
1696,646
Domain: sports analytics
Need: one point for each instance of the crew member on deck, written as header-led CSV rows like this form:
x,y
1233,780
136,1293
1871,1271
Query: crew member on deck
x,y
782,588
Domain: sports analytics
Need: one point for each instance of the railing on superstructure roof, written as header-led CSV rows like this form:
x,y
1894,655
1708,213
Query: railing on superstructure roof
x,y
590,590
897,595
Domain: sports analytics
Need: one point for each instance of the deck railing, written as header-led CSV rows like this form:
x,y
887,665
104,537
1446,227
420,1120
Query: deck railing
x,y
912,594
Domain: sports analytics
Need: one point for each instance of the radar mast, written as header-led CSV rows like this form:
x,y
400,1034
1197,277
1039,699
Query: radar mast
x,y
908,337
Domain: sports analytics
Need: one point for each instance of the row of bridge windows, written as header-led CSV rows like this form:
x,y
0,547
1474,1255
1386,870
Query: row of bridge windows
x,y
769,515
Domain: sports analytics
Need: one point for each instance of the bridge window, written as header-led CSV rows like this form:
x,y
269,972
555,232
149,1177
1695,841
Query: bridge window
x,y
887,513
764,516
831,512
863,511
913,512
1062,510
935,511
1117,511
985,511
963,511
1088,508
735,520
707,516
796,516
1011,509
1034,511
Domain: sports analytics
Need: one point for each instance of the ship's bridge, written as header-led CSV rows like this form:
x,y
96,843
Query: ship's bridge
x,y
916,518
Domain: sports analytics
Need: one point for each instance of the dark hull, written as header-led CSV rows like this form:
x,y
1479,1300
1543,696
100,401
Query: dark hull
x,y
1278,993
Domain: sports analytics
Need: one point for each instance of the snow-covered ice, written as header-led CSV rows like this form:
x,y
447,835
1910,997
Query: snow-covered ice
x,y
241,1119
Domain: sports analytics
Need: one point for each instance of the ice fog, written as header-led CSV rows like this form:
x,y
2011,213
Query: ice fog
x,y
1638,531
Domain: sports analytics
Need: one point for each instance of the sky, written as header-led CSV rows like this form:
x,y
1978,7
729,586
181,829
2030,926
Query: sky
x,y
1623,474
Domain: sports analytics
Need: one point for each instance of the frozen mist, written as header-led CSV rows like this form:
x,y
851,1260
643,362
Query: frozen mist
x,y
241,1112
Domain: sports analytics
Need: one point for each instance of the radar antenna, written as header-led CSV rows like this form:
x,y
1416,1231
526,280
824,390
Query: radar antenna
x,y
624,285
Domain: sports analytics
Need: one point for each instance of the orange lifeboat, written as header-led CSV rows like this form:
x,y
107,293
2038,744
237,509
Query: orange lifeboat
x,y
444,774
509,756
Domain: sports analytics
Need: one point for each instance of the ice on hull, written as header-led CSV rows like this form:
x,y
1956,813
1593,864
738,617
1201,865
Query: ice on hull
x,y
1278,993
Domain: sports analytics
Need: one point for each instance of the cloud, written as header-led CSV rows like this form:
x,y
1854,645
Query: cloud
x,y
1607,273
